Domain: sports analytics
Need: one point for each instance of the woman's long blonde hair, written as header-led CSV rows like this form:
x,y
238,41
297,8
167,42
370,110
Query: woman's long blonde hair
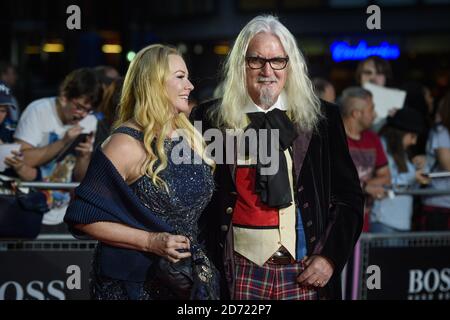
x,y
303,106
145,100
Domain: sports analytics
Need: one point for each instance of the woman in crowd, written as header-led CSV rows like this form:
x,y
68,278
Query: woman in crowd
x,y
419,98
393,214
436,209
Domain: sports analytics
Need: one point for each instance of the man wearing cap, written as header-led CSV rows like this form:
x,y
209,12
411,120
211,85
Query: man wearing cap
x,y
284,235
8,76
6,101
15,161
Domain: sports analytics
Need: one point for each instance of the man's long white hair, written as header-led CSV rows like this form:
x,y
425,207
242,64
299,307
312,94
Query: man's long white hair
x,y
303,106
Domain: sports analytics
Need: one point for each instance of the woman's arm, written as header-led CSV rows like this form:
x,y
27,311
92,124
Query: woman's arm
x,y
119,235
127,155
443,157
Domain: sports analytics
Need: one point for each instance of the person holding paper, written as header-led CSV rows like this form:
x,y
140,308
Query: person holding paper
x,y
374,70
375,74
386,100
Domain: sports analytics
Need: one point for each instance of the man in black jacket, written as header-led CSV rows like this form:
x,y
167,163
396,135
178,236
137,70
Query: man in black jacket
x,y
285,234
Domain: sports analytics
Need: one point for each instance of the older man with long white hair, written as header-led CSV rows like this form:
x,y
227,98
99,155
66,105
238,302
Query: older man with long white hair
x,y
288,234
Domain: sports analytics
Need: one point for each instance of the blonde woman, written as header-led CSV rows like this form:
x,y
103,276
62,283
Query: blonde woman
x,y
141,206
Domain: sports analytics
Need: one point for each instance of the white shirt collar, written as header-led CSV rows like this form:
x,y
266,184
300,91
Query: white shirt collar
x,y
279,104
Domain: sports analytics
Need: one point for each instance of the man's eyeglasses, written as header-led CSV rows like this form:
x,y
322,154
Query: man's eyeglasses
x,y
82,108
278,63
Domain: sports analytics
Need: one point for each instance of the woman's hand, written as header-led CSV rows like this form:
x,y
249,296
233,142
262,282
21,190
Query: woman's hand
x,y
169,246
421,178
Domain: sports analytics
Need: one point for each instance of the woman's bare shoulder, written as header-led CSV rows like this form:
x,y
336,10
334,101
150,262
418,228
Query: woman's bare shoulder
x,y
126,153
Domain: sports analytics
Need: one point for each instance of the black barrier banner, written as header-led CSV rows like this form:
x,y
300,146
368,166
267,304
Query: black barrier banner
x,y
44,275
406,272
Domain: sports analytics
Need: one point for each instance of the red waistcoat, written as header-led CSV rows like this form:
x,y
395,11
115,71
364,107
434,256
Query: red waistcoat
x,y
249,211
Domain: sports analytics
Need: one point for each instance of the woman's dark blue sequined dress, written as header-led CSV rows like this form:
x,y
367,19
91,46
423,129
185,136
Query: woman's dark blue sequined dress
x,y
190,187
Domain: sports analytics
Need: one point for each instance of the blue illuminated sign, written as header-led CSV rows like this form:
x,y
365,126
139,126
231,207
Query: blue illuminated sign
x,y
341,51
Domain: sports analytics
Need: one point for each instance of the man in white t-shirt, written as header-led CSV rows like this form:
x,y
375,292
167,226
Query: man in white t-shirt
x,y
50,126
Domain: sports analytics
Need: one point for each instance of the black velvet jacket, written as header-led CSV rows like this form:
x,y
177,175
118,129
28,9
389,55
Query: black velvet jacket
x,y
328,193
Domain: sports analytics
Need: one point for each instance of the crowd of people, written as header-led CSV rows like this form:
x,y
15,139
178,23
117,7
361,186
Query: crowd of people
x,y
399,152
56,134
413,142
338,171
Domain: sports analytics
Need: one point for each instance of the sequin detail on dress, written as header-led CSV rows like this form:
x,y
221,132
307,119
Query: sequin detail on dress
x,y
190,187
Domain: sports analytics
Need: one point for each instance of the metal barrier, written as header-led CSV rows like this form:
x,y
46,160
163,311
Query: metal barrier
x,y
411,265
397,190
37,184
10,206
419,191
49,185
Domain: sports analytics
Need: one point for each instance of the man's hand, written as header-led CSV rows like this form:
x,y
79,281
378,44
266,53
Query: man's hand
x,y
83,154
376,191
72,133
84,149
317,273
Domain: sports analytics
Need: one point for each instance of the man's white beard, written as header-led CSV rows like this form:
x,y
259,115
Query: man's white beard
x,y
266,98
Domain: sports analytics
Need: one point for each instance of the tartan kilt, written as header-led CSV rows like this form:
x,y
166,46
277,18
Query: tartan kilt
x,y
269,282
